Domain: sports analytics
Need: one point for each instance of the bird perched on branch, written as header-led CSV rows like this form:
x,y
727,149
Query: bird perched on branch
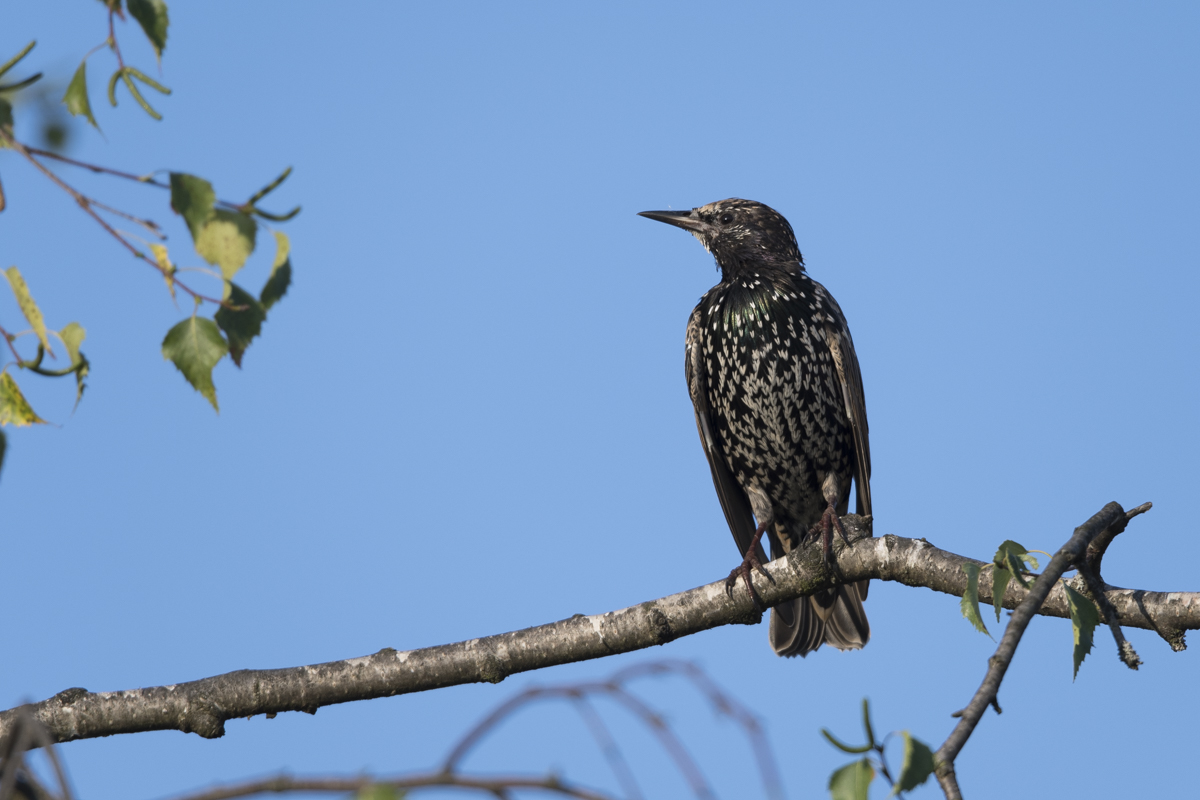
x,y
778,396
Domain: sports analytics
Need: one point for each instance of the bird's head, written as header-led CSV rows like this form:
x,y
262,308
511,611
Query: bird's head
x,y
738,232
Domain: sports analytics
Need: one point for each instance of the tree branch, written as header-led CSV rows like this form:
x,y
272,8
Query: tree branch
x,y
203,706
1070,553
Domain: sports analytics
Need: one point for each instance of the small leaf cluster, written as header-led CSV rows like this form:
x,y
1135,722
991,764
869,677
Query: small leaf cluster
x,y
15,410
853,781
1013,561
224,235
152,16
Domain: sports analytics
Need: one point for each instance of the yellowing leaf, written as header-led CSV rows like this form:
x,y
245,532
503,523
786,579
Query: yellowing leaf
x,y
227,240
76,97
164,262
29,308
152,16
73,336
1084,619
281,273
195,346
14,408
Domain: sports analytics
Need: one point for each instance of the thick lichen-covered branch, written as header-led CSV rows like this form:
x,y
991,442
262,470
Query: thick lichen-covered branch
x,y
205,705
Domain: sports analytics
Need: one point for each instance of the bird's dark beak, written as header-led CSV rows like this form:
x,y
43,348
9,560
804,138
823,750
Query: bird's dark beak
x,y
680,219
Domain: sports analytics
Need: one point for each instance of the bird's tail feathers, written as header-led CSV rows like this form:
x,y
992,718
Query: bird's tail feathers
x,y
835,617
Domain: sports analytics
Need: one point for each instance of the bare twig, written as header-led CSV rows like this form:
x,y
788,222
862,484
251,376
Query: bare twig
x,y
1099,546
723,704
608,747
1070,553
1095,588
8,340
87,203
497,786
679,754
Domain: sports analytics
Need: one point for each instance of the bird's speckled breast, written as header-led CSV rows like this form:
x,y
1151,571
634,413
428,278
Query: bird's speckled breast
x,y
774,391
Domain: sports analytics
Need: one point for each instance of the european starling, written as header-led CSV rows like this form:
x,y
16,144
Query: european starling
x,y
775,384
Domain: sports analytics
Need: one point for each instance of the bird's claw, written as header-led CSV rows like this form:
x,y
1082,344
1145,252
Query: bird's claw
x,y
743,570
826,525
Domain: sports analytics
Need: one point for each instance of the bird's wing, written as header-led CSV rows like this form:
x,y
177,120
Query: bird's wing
x,y
734,501
844,358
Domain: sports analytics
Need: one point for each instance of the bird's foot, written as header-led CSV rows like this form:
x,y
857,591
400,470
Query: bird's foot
x,y
743,570
829,520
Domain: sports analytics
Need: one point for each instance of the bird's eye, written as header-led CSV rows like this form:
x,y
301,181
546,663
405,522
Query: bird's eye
x,y
726,218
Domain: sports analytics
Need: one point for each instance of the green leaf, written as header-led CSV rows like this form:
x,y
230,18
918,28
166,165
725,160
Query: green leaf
x,y
227,240
6,120
852,781
152,16
281,273
126,74
1084,619
14,408
840,745
867,722
970,599
32,313
12,62
917,767
240,326
73,336
1012,557
195,346
1000,579
76,98
193,199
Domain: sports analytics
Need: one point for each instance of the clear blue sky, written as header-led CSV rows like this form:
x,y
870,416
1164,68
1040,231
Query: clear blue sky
x,y
469,415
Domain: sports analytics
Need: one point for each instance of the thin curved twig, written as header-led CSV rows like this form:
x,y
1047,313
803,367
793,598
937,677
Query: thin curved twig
x,y
497,786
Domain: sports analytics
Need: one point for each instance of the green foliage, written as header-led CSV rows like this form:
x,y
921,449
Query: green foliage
x,y
241,320
76,97
224,234
1084,619
970,599
853,781
281,273
193,199
195,346
1009,562
918,764
846,748
152,16
126,75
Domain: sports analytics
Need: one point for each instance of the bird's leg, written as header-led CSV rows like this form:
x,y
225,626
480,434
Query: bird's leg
x,y
829,518
829,521
750,561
